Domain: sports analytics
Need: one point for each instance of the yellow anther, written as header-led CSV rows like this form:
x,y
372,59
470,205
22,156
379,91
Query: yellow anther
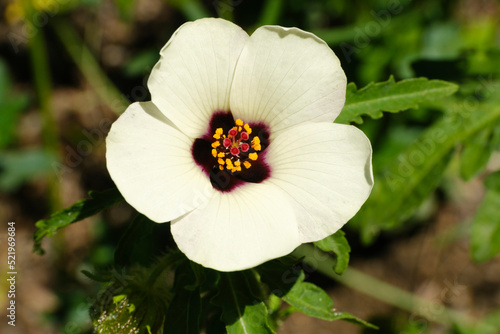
x,y
236,169
216,144
256,143
239,122
221,161
237,163
218,133
253,156
214,152
220,167
229,164
247,164
221,155
248,129
239,128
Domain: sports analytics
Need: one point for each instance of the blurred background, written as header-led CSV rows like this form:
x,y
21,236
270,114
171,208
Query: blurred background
x,y
68,68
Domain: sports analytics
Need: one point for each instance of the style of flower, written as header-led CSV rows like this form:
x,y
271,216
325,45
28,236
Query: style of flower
x,y
238,149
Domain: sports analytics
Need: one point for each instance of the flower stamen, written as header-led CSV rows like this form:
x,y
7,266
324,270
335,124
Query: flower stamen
x,y
233,150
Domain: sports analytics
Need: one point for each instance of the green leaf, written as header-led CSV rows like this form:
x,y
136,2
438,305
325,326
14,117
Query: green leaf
x,y
405,183
288,283
78,211
315,302
184,313
338,244
10,112
492,182
242,311
485,232
476,154
390,96
310,299
17,167
142,240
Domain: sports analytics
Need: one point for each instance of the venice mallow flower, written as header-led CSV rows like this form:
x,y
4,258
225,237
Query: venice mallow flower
x,y
237,147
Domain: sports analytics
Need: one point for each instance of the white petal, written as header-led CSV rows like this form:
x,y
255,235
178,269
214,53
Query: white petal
x,y
239,230
193,76
151,164
326,170
286,76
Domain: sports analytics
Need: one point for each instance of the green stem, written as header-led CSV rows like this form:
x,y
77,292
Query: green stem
x,y
43,88
89,67
271,12
192,9
225,9
387,293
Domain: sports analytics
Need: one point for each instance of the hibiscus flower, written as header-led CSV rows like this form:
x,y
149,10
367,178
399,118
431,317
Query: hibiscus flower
x,y
238,149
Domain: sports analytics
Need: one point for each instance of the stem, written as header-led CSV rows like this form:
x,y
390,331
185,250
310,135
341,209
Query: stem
x,y
191,9
90,68
271,12
373,287
43,88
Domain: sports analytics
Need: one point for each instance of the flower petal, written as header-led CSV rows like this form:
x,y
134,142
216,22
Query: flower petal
x,y
238,230
151,164
286,76
193,77
326,169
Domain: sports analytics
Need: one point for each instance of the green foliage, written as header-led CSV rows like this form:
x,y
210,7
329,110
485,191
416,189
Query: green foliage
x,y
287,282
485,232
184,314
126,8
315,302
490,324
78,211
243,311
17,167
406,182
142,240
390,96
336,243
476,153
11,106
134,301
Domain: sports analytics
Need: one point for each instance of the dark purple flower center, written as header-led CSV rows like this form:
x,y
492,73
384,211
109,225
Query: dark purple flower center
x,y
232,152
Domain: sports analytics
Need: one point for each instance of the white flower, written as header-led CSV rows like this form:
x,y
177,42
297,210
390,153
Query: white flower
x,y
238,148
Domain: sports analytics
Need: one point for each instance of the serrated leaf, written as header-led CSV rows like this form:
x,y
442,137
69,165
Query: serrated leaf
x,y
310,299
288,283
315,302
78,211
404,184
485,232
242,311
390,96
336,243
476,153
